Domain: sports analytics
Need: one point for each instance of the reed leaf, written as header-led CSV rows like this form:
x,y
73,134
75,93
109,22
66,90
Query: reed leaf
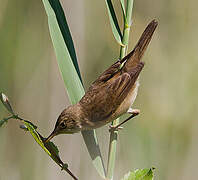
x,y
114,22
67,61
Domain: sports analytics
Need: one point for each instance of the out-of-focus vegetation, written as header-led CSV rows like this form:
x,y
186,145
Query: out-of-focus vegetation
x,y
165,133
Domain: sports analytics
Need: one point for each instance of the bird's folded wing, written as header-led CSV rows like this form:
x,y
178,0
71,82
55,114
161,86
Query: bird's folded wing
x,y
120,87
99,103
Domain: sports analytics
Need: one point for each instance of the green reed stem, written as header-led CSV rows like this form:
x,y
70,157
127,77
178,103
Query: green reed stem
x,y
114,134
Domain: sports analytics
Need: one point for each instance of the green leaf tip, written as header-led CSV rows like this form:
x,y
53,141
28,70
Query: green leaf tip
x,y
49,147
6,103
140,174
123,10
64,28
114,22
38,138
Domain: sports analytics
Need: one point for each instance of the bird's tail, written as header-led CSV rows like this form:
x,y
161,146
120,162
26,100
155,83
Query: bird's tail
x,y
134,57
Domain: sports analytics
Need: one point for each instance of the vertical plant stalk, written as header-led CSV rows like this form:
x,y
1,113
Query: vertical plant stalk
x,y
114,134
127,27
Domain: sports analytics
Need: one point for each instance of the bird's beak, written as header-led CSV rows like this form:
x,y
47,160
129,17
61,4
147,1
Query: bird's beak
x,y
54,133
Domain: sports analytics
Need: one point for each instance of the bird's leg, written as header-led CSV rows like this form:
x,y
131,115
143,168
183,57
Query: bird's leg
x,y
133,112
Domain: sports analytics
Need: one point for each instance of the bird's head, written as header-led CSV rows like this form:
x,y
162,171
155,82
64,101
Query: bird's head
x,y
66,123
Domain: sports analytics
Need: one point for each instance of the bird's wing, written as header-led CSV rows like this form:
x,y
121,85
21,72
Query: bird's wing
x,y
101,102
121,86
107,93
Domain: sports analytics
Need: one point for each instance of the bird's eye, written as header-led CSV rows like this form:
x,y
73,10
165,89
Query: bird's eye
x,y
63,125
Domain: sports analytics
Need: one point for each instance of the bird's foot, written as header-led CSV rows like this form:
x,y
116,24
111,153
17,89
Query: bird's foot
x,y
133,112
114,128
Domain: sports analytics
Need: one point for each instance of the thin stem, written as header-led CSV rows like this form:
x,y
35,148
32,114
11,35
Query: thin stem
x,y
114,134
114,128
69,172
6,119
126,31
56,158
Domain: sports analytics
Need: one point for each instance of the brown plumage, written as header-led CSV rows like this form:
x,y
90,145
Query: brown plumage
x,y
109,96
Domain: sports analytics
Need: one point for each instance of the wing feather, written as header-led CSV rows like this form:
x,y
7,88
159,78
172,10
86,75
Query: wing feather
x,y
100,102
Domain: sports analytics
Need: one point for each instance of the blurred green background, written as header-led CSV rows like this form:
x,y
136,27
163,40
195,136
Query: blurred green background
x,y
164,135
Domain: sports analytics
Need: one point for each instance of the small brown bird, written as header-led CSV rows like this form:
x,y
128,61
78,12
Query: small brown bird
x,y
109,96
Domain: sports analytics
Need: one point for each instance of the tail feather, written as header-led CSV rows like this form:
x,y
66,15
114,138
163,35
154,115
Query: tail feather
x,y
134,57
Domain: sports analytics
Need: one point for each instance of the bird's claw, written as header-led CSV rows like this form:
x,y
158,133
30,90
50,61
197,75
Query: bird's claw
x,y
114,128
133,111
